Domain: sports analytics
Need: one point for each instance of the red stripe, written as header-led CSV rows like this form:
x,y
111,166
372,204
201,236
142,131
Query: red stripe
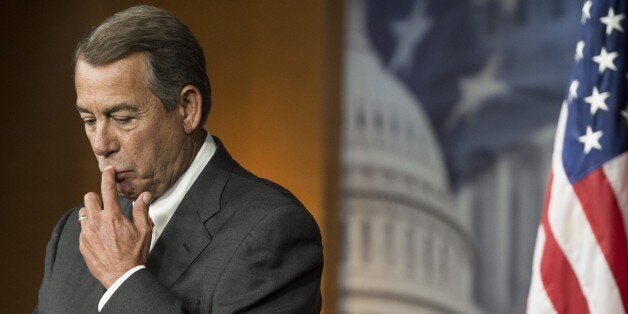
x,y
604,215
560,282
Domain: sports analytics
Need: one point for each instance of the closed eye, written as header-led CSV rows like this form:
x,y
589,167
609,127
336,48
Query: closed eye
x,y
122,120
89,121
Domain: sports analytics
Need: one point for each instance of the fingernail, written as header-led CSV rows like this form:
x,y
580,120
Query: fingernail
x,y
146,198
107,168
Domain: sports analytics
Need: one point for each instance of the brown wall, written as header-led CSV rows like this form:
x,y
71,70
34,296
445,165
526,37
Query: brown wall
x,y
274,67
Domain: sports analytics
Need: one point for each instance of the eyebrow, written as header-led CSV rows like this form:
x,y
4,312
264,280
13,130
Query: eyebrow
x,y
112,109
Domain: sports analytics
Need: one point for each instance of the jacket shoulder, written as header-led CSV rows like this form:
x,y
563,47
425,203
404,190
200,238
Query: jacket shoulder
x,y
244,186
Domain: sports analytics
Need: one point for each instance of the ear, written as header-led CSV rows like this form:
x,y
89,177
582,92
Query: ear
x,y
191,108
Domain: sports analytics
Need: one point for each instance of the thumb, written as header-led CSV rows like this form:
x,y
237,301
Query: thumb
x,y
141,219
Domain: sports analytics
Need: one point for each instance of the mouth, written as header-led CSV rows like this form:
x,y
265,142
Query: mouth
x,y
121,175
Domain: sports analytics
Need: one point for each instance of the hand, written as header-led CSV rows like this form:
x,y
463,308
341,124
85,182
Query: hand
x,y
110,243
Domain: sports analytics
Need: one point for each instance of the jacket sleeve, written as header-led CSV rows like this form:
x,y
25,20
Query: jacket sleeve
x,y
276,269
144,294
51,254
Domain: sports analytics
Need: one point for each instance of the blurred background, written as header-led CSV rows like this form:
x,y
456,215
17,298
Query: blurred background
x,y
417,132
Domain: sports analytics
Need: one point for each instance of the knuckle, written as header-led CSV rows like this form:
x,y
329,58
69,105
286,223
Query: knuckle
x,y
92,226
107,216
144,229
82,243
90,199
83,238
108,186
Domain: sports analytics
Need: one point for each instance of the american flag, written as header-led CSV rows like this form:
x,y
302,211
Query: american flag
x,y
581,258
463,61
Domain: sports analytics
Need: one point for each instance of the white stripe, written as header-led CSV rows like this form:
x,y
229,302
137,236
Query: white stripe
x,y
538,301
616,171
560,136
575,237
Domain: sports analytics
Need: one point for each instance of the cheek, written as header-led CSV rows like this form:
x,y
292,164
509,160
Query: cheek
x,y
140,152
90,138
150,147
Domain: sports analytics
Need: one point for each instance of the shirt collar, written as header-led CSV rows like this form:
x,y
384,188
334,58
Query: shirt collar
x,y
162,209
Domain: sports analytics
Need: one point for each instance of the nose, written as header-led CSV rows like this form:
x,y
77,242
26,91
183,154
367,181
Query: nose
x,y
103,140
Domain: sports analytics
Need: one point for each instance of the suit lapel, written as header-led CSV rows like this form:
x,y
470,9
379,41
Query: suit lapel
x,y
183,239
185,235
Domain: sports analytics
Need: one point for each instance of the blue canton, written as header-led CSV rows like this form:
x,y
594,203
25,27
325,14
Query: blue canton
x,y
596,130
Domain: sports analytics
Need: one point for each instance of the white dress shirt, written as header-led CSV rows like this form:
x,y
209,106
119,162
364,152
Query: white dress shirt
x,y
162,209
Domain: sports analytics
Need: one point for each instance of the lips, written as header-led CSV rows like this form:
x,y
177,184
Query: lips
x,y
121,175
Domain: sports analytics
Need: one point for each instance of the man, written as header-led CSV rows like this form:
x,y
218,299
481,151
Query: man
x,y
192,231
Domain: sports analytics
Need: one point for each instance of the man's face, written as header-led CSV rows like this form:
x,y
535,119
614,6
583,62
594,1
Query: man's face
x,y
128,127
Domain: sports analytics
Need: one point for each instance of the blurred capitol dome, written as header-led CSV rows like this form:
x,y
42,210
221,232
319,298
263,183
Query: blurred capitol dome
x,y
406,247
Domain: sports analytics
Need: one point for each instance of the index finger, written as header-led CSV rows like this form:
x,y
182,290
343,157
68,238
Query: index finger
x,y
109,190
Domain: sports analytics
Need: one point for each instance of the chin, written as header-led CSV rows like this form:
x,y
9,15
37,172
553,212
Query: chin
x,y
127,191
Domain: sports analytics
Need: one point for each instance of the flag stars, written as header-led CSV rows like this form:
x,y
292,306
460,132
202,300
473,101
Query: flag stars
x,y
612,21
409,33
591,140
624,113
605,60
579,51
573,90
597,100
586,11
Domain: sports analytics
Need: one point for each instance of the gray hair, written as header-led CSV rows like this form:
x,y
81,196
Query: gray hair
x,y
175,58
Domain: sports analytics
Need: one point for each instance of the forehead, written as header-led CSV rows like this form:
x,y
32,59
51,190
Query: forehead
x,y
123,79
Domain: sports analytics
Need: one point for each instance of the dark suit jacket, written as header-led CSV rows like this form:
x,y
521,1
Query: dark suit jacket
x,y
237,243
